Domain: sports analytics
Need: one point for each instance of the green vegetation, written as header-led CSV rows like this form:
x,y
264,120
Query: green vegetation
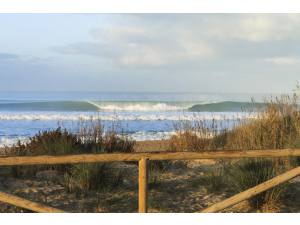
x,y
90,139
248,173
276,126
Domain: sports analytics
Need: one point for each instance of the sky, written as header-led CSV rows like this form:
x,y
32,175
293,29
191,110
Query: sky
x,y
208,53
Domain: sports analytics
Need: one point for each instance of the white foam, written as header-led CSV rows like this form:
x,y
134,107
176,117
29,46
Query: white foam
x,y
10,141
146,136
137,107
137,136
124,117
43,117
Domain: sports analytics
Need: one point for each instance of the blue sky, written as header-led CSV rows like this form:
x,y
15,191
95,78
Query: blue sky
x,y
150,52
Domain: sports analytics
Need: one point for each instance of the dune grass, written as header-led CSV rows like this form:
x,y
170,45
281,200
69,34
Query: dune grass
x,y
276,126
91,138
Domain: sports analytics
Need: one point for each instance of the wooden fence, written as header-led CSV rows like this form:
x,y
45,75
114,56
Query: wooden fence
x,y
143,158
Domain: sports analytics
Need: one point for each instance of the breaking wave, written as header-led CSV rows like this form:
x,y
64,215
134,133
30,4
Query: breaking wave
x,y
139,106
125,116
134,106
226,106
93,106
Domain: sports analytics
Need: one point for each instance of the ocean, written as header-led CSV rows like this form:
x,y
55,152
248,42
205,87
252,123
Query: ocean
x,y
141,116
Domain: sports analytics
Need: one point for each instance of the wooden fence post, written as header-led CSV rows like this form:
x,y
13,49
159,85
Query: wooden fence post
x,y
143,180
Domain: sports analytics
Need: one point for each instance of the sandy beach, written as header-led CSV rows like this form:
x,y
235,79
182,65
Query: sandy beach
x,y
183,187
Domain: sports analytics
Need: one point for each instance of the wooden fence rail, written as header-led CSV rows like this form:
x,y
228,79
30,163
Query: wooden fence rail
x,y
253,191
118,157
23,203
143,158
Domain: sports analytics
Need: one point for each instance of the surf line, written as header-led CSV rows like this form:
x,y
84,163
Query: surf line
x,y
94,104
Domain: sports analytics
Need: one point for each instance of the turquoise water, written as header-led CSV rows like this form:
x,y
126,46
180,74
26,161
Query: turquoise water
x,y
143,116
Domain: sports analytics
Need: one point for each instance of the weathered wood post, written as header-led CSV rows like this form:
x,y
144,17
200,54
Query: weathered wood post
x,y
143,180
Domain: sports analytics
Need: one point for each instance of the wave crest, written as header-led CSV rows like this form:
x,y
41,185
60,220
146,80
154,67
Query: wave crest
x,y
139,107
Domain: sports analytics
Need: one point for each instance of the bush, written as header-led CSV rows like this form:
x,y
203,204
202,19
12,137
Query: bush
x,y
156,168
85,177
249,173
193,136
216,179
276,126
90,139
188,141
55,142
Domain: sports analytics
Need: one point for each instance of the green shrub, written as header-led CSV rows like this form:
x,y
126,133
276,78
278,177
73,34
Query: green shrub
x,y
216,179
249,173
55,142
90,139
156,168
85,177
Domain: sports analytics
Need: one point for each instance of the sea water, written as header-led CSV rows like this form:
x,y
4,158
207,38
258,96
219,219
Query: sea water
x,y
142,116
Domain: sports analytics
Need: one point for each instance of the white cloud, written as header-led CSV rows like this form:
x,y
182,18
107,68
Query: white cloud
x,y
258,28
144,55
119,33
285,60
145,40
136,45
186,52
255,28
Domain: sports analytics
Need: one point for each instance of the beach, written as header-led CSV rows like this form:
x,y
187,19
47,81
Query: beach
x,y
183,188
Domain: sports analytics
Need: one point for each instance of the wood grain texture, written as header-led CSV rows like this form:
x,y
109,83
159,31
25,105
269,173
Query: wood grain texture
x,y
143,158
253,191
143,182
26,204
94,158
